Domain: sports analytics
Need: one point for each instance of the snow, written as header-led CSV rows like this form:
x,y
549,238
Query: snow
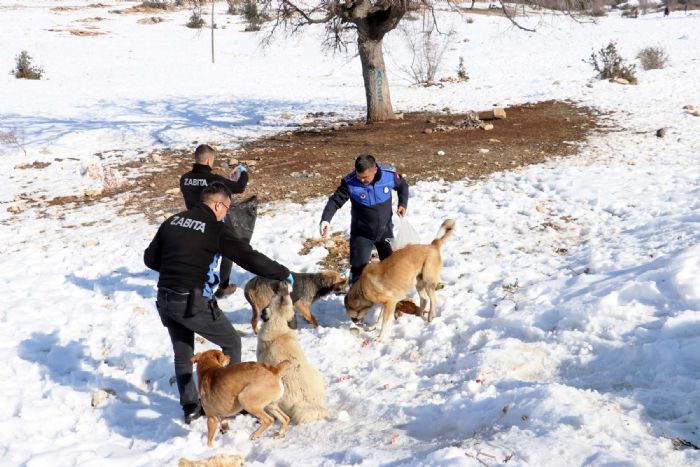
x,y
568,332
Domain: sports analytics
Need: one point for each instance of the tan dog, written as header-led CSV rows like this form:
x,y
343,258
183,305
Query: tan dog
x,y
304,392
387,282
308,287
227,389
221,460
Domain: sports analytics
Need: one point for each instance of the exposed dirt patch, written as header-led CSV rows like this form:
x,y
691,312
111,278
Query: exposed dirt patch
x,y
338,246
150,20
140,9
89,31
492,11
83,32
310,162
60,9
32,165
95,19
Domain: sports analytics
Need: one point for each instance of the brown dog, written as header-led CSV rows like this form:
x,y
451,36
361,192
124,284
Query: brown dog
x,y
387,282
227,389
407,307
308,287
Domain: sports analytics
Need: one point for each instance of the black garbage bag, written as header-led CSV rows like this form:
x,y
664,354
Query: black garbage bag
x,y
241,217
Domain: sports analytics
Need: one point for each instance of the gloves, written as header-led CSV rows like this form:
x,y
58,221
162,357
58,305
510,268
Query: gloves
x,y
236,173
324,229
290,279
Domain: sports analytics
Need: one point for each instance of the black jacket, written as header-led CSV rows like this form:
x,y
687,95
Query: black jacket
x,y
371,205
186,248
192,183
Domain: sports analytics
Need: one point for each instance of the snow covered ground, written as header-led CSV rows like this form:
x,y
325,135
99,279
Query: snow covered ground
x,y
569,329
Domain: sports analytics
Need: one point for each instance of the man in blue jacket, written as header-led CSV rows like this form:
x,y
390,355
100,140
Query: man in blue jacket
x,y
369,189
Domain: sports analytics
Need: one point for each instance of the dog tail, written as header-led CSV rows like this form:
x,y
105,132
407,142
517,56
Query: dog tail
x,y
305,412
444,233
282,367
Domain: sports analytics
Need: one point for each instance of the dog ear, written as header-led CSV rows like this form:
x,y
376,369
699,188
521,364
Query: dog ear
x,y
195,359
265,314
292,323
340,284
224,359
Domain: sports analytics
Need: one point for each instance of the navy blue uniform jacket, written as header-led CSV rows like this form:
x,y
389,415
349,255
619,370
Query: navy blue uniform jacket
x,y
371,205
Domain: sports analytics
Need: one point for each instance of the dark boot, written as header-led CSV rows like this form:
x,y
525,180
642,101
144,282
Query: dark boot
x,y
192,412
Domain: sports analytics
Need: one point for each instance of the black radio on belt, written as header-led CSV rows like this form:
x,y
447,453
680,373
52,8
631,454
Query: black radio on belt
x,y
193,300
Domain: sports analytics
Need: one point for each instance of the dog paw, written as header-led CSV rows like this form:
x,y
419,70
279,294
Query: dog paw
x,y
253,437
279,435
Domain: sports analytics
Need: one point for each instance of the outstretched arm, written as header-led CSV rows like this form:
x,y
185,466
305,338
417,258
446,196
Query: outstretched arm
x,y
336,201
241,253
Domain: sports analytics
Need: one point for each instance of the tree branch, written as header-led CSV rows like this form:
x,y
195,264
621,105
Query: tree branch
x,y
512,19
308,19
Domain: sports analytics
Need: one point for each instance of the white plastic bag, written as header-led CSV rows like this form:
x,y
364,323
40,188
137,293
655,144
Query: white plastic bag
x,y
405,235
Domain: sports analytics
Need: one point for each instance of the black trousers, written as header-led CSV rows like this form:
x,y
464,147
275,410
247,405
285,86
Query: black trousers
x,y
211,325
361,252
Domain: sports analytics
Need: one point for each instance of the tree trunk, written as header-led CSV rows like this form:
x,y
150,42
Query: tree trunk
x,y
376,83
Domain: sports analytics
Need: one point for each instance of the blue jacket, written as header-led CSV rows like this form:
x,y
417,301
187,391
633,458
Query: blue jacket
x,y
371,205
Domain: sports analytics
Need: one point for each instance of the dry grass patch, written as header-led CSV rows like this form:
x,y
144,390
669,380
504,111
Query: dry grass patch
x,y
338,248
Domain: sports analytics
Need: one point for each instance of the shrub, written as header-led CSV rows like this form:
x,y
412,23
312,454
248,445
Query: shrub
x,y
234,7
161,4
12,138
610,65
196,21
253,16
461,71
426,47
653,58
24,68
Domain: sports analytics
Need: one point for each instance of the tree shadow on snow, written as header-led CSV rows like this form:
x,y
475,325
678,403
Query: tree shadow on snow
x,y
134,412
120,280
158,117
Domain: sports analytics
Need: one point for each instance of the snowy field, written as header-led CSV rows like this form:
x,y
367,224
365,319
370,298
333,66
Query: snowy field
x,y
568,332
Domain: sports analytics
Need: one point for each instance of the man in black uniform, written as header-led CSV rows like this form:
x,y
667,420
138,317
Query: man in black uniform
x,y
185,250
369,190
191,185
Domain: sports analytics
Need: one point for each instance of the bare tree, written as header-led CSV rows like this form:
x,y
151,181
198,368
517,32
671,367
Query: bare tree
x,y
369,21
426,46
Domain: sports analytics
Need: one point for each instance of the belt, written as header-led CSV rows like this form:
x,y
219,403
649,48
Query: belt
x,y
169,291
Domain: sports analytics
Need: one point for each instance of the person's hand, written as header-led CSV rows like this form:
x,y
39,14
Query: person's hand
x,y
401,211
324,229
236,173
